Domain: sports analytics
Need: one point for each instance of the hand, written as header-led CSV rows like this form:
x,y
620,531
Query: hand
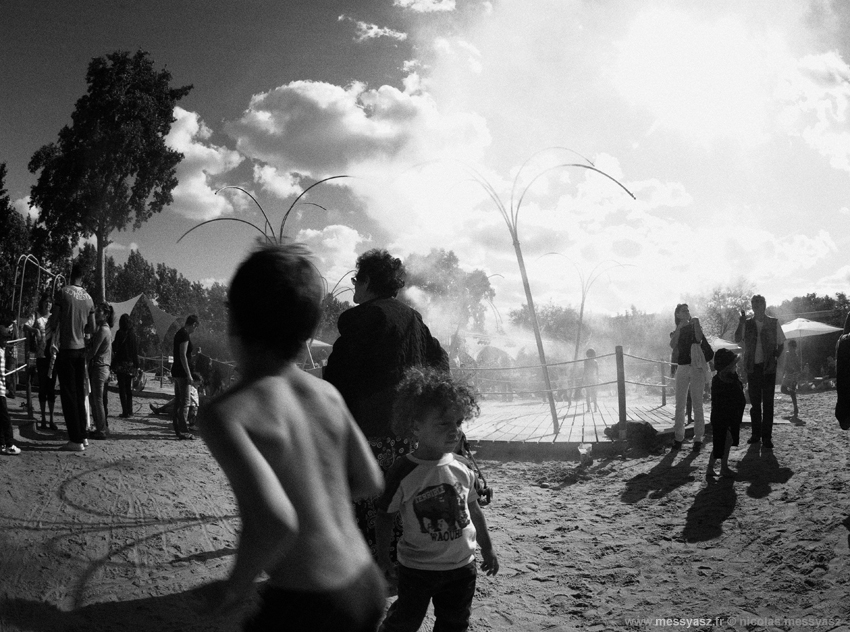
x,y
743,316
490,563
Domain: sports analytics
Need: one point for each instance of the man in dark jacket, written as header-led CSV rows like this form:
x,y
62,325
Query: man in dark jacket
x,y
763,340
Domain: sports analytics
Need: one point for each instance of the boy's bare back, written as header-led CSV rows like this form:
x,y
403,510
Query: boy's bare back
x,y
295,459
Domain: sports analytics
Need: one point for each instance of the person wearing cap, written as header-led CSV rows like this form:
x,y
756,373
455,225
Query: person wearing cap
x,y
727,411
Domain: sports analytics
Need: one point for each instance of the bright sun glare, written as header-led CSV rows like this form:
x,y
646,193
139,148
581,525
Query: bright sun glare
x,y
703,80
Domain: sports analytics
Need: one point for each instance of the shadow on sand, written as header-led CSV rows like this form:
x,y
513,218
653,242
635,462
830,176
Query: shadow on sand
x,y
661,479
761,470
167,613
712,507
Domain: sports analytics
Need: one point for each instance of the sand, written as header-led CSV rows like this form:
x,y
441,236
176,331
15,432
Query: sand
x,y
117,538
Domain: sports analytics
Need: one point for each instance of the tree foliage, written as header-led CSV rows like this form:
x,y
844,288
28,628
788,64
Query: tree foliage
x,y
14,241
824,309
111,167
556,322
719,310
462,296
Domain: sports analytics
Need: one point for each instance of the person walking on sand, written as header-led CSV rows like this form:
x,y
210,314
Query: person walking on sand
x,y
295,459
7,436
125,363
727,411
72,316
590,378
181,374
36,326
434,492
790,375
842,377
691,352
763,340
99,357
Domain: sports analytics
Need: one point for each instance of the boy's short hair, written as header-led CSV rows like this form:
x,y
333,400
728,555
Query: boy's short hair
x,y
758,298
792,344
192,319
424,389
275,298
77,271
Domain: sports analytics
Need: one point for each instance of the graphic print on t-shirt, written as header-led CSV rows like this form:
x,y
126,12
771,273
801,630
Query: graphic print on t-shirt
x,y
441,511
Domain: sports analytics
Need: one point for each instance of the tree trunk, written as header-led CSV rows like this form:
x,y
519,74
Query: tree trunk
x,y
100,271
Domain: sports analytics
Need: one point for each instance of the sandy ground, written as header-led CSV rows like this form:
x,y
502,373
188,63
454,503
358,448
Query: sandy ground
x,y
117,538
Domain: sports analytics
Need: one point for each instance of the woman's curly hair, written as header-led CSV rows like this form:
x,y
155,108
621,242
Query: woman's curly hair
x,y
424,389
386,273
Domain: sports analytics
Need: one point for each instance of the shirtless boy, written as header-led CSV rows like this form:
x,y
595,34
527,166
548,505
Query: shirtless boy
x,y
294,458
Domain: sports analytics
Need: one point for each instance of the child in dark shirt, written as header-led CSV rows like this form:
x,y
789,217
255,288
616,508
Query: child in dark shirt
x,y
727,411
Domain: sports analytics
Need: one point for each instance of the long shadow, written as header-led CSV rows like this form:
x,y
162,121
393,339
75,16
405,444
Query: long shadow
x,y
166,613
661,479
761,470
711,507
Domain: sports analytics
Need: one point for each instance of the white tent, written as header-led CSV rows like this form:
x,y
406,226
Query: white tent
x,y
803,327
719,343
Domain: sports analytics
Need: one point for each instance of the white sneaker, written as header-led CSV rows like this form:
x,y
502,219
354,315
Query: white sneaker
x,y
73,447
85,443
11,450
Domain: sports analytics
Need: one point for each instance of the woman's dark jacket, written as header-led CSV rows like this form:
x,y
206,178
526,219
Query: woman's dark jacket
x,y
379,340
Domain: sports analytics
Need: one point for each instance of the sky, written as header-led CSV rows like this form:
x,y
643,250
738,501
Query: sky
x,y
727,121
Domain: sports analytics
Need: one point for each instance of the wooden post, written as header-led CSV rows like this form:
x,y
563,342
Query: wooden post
x,y
621,389
663,383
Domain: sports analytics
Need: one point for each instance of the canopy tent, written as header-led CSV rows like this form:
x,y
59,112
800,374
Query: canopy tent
x,y
719,343
803,328
162,320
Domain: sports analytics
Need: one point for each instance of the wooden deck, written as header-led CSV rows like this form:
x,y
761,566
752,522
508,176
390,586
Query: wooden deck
x,y
530,421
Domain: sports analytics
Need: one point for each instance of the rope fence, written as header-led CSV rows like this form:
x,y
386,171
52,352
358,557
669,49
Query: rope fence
x,y
569,381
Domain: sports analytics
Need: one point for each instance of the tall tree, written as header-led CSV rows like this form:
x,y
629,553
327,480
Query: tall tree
x,y
462,296
14,241
111,167
720,310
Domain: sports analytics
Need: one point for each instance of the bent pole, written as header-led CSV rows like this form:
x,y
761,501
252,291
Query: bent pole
x,y
533,315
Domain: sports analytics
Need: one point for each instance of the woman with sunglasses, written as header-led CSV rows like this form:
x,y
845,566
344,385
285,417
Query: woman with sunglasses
x,y
378,340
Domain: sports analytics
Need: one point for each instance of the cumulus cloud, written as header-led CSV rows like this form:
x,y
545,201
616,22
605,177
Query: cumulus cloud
x,y
320,129
197,173
22,205
365,31
426,6
336,250
116,247
817,93
281,185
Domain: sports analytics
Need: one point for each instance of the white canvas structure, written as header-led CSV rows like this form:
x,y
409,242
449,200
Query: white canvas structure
x,y
803,328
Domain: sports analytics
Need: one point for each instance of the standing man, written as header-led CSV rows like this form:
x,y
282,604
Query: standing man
x,y
763,340
181,374
73,314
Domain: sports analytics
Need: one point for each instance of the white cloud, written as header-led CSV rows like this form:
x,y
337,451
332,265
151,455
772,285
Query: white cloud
x,y
817,93
22,205
195,196
319,129
366,31
280,185
116,247
208,282
844,210
426,6
336,250
703,78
